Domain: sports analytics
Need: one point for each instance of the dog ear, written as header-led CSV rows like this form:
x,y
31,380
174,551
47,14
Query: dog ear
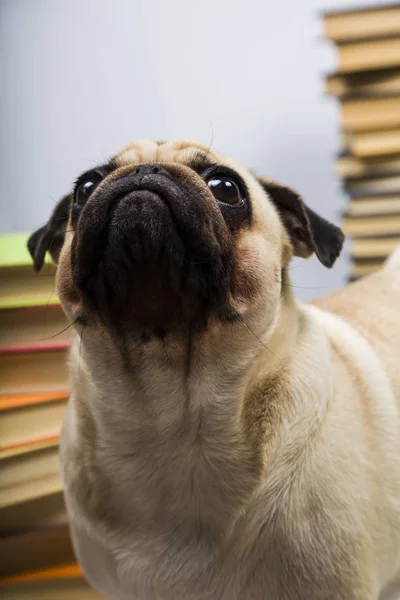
x,y
308,232
50,237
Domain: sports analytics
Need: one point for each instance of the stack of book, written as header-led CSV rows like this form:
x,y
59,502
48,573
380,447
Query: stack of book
x,y
37,560
367,84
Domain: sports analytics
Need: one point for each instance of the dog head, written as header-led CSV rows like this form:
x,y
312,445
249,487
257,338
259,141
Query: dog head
x,y
172,235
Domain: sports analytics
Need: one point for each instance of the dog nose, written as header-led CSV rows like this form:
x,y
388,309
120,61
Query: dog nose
x,y
150,170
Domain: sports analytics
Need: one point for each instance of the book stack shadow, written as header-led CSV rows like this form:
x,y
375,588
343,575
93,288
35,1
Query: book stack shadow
x,y
367,86
37,559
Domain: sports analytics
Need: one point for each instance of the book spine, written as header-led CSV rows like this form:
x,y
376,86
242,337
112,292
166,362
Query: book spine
x,y
29,348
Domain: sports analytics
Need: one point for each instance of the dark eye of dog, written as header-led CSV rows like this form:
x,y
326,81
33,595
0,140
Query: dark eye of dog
x,y
225,190
87,187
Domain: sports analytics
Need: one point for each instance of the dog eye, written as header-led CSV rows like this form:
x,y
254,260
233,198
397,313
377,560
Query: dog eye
x,y
225,190
87,187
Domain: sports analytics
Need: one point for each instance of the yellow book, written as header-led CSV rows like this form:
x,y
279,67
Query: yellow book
x,y
365,144
22,425
365,268
30,474
369,84
370,54
374,206
370,114
361,23
378,247
370,226
348,166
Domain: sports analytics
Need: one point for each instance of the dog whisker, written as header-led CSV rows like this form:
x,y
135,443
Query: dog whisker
x,y
302,287
80,348
65,218
212,138
69,326
165,349
256,336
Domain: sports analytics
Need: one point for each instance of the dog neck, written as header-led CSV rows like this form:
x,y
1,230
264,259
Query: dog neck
x,y
186,419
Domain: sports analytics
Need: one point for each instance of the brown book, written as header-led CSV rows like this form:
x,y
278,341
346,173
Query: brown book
x,y
38,326
370,114
362,23
348,166
40,371
374,247
370,54
43,548
33,514
30,474
55,589
369,84
374,143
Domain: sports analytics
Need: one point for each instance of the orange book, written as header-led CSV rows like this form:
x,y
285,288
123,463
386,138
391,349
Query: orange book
x,y
69,571
17,400
58,583
29,446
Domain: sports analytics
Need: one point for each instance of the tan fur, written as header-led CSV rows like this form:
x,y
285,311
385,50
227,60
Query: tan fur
x,y
260,463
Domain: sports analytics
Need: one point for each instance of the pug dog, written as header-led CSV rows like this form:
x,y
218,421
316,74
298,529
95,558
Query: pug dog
x,y
222,441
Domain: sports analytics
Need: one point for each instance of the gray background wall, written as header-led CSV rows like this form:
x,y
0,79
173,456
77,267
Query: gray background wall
x,y
81,78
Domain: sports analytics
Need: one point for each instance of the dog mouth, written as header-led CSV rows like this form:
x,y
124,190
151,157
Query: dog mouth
x,y
152,254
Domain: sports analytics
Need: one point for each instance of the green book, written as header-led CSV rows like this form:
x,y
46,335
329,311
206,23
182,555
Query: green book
x,y
14,251
20,285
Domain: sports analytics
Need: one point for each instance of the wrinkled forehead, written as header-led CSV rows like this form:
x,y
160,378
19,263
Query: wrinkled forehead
x,y
198,157
185,152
